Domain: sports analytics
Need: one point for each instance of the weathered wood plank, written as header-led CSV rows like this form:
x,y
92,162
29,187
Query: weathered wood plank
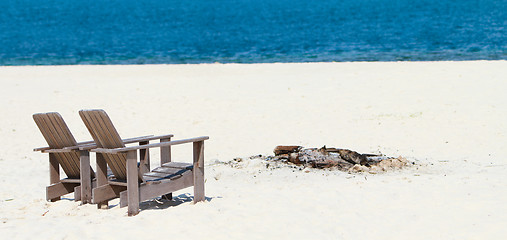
x,y
198,171
86,181
118,183
156,179
108,133
101,178
49,133
54,169
179,165
102,170
170,143
91,144
117,165
164,173
165,157
165,152
54,172
132,183
106,192
156,174
152,180
57,190
71,180
64,150
62,137
168,170
105,135
77,193
41,149
150,191
124,199
144,159
63,130
88,123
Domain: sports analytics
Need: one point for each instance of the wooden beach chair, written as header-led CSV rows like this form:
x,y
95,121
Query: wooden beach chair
x,y
133,183
64,152
58,137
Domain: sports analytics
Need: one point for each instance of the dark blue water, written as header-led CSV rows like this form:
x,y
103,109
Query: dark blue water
x,y
34,32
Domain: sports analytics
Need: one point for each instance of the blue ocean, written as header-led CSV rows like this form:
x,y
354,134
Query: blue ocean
x,y
54,32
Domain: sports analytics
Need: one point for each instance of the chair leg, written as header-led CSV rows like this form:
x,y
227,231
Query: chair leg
x,y
144,159
54,173
165,157
198,171
101,177
165,152
77,193
86,181
132,183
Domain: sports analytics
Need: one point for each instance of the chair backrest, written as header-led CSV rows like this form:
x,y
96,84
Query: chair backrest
x,y
58,135
105,136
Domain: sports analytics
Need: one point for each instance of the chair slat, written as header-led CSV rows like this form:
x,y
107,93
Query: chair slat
x,y
62,130
67,159
107,131
43,122
179,165
169,170
57,135
117,162
87,121
157,177
95,130
94,125
114,137
105,135
66,139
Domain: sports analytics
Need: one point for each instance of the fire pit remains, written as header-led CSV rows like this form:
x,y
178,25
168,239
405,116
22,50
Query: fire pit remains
x,y
342,159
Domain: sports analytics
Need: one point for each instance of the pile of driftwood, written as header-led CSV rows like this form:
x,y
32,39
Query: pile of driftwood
x,y
342,159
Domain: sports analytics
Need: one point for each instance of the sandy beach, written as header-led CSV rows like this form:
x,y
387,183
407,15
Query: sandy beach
x,y
449,118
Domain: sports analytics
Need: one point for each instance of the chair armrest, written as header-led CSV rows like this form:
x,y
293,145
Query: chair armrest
x,y
87,145
41,149
82,147
85,142
126,141
153,145
151,137
62,150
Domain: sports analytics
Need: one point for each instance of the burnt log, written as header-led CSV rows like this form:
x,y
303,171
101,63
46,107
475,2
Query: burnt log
x,y
279,150
340,164
294,158
353,157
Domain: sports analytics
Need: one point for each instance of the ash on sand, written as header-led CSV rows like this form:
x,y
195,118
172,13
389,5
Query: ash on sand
x,y
331,158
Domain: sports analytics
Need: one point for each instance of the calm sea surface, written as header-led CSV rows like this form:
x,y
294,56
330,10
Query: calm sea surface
x,y
40,32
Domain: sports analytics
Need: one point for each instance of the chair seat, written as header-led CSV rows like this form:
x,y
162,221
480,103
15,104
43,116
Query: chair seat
x,y
180,165
168,171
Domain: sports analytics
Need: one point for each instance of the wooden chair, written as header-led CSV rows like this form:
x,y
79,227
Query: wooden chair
x,y
58,137
65,152
133,183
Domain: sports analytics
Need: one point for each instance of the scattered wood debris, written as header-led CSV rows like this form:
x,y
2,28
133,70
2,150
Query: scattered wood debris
x,y
341,159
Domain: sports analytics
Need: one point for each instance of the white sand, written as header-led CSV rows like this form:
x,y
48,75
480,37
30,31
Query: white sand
x,y
448,117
